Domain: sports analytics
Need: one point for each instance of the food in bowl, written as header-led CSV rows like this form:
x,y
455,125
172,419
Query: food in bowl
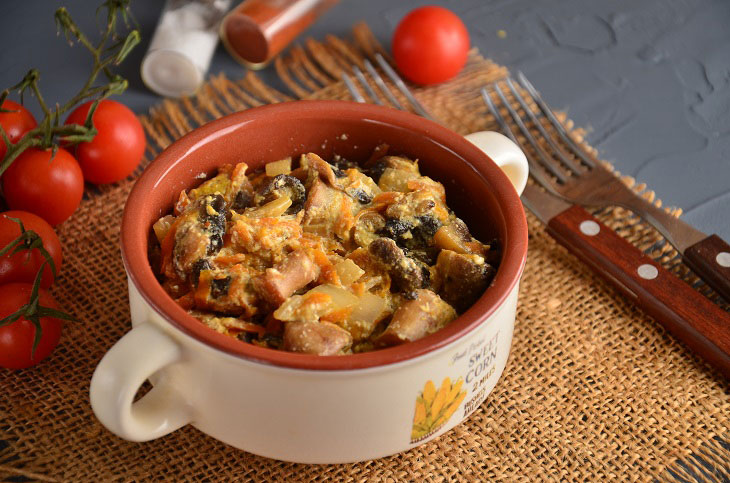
x,y
321,258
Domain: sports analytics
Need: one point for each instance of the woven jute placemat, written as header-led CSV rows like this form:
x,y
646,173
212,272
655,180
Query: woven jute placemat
x,y
594,390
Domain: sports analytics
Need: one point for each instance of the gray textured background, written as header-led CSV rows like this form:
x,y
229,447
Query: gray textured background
x,y
650,79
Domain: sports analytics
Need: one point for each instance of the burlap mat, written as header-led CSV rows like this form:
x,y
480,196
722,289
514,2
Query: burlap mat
x,y
594,390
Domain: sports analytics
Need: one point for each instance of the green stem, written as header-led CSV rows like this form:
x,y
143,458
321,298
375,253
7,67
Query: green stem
x,y
15,150
49,130
39,96
35,139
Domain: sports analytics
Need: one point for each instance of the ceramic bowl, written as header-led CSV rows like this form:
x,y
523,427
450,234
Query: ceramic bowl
x,y
298,407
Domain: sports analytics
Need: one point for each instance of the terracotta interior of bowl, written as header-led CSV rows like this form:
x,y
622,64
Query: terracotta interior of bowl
x,y
476,190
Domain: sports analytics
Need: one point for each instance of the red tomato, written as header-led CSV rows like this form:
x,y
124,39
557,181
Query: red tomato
x,y
23,266
16,124
430,45
50,188
16,339
118,146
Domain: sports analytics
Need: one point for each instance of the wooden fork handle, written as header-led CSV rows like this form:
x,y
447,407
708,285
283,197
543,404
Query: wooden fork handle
x,y
710,260
688,315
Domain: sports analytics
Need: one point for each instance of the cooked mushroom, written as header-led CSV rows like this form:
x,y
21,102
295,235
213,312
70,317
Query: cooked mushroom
x,y
280,186
417,318
320,338
367,227
199,234
277,284
405,272
325,170
414,235
464,278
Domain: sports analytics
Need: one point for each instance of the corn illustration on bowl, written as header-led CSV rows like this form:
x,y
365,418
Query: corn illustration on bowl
x,y
435,407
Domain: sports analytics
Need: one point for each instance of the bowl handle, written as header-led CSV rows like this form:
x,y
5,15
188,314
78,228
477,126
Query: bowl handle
x,y
132,360
506,154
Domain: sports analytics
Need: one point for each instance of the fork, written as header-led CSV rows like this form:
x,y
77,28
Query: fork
x,y
686,313
579,177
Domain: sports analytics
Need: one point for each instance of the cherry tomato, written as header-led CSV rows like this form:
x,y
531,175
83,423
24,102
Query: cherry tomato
x,y
430,45
49,188
118,146
16,339
23,266
16,124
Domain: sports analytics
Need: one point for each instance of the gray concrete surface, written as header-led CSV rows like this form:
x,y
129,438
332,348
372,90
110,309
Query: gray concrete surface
x,y
650,79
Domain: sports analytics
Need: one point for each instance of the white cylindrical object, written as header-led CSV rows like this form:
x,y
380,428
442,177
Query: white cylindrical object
x,y
182,47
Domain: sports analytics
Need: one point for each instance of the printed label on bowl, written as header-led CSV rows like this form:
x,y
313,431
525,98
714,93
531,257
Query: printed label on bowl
x,y
435,406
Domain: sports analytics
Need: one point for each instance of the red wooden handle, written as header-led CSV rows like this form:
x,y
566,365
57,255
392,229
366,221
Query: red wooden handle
x,y
687,314
710,259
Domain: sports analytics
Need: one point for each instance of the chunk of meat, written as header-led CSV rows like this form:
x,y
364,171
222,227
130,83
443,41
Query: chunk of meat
x,y
417,318
405,272
463,278
320,338
276,284
328,211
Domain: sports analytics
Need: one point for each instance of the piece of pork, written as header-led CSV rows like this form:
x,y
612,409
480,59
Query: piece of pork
x,y
417,318
320,338
276,284
328,211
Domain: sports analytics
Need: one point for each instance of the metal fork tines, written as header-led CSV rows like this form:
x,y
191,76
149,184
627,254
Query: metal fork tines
x,y
564,168
382,87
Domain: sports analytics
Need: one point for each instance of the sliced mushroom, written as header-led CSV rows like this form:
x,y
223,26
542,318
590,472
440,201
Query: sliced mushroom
x,y
417,318
276,284
320,166
280,186
405,272
320,338
463,278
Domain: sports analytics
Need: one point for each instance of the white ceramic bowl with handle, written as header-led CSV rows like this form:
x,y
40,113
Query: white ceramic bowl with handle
x,y
298,407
